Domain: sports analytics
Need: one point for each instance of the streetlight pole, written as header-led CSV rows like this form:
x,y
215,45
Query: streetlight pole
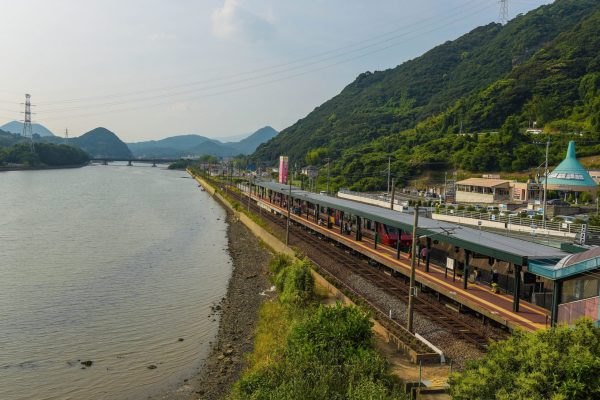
x,y
393,193
411,290
546,182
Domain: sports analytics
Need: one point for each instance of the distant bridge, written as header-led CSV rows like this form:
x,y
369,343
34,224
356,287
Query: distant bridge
x,y
130,161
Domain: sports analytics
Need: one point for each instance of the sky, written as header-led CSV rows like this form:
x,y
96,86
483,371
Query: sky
x,y
149,69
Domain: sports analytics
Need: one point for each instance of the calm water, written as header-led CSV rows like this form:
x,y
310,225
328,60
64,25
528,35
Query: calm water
x,y
111,264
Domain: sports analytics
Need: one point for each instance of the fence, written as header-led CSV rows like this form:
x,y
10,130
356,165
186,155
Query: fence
x,y
515,223
570,312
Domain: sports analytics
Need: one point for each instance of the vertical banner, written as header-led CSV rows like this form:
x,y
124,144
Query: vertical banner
x,y
283,169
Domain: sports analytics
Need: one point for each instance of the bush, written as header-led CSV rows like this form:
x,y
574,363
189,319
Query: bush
x,y
278,262
328,355
296,283
558,363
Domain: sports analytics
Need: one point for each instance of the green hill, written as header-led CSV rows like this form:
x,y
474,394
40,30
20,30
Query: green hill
x,y
540,66
101,142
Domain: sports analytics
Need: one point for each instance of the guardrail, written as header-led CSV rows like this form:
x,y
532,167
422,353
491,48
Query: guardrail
x,y
516,223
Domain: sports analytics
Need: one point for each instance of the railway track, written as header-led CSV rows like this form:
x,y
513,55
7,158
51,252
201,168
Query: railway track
x,y
326,254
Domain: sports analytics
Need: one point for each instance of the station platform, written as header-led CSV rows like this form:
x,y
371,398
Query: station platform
x,y
477,297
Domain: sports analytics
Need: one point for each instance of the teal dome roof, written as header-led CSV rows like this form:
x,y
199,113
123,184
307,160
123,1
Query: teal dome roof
x,y
570,172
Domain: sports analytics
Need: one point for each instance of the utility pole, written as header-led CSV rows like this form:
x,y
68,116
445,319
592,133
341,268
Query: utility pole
x,y
249,191
27,130
546,182
328,163
411,290
445,184
393,193
287,226
389,171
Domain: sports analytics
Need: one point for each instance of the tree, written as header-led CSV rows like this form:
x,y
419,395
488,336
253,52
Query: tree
x,y
557,364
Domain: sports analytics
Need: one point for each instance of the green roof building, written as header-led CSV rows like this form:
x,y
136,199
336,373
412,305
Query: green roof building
x,y
571,176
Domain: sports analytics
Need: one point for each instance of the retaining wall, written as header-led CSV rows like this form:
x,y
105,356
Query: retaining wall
x,y
278,246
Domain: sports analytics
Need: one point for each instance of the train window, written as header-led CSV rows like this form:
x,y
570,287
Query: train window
x,y
391,230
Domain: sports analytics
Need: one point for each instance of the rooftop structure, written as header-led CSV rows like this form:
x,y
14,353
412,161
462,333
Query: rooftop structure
x,y
570,175
482,190
486,243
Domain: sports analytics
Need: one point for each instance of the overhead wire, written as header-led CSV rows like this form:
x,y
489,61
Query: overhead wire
x,y
264,82
309,59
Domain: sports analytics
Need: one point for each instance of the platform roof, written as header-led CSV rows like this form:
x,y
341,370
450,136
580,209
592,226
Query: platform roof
x,y
570,265
481,242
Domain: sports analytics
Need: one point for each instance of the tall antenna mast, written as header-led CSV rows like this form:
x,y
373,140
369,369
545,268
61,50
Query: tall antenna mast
x,y
27,131
503,11
66,135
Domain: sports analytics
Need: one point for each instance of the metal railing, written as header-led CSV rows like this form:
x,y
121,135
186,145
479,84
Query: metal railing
x,y
556,228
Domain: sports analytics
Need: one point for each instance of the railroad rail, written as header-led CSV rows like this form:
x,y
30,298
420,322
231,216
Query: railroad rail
x,y
337,254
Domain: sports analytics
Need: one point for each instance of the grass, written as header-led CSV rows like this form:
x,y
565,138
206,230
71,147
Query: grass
x,y
275,320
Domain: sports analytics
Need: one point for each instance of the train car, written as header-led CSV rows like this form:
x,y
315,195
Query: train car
x,y
388,235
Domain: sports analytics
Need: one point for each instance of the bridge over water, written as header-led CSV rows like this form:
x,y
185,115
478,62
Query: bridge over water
x,y
130,161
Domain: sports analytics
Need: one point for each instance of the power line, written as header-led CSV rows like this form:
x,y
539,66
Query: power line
x,y
310,59
268,81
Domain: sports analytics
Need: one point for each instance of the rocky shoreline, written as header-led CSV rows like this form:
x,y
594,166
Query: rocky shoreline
x,y
248,288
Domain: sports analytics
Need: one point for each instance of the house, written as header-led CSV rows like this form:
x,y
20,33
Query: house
x,y
483,190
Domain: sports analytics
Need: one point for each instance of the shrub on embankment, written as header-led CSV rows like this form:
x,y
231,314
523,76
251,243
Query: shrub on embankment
x,y
304,350
557,364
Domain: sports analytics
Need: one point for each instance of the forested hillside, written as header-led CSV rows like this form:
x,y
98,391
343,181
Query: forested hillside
x,y
541,67
46,154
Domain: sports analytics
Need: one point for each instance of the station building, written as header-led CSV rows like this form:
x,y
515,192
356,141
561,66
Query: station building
x,y
553,285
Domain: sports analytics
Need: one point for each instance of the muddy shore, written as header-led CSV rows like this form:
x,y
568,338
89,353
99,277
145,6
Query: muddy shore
x,y
248,288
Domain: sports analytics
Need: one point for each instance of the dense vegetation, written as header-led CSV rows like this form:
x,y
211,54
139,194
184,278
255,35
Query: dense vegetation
x,y
428,113
45,154
304,350
183,164
556,364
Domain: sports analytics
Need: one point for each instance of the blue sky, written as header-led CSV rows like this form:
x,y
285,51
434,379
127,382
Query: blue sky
x,y
148,69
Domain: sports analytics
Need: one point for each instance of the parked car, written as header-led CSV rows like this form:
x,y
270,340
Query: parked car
x,y
567,219
557,202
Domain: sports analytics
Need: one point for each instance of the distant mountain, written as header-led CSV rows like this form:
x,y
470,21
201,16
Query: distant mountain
x,y
101,142
196,145
17,127
180,146
249,144
233,138
174,146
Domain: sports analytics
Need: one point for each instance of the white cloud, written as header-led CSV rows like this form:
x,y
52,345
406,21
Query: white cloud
x,y
233,21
